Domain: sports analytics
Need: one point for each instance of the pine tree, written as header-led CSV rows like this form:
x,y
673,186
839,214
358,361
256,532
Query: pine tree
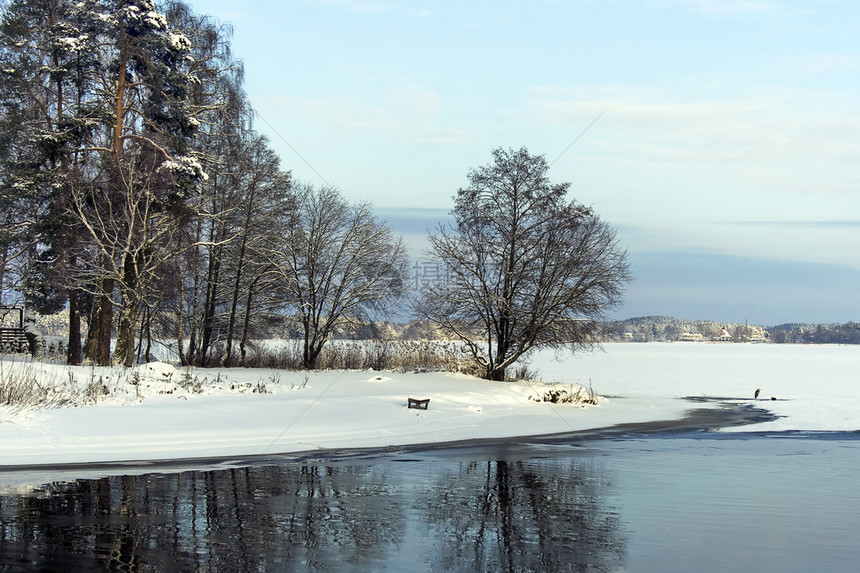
x,y
95,95
44,63
145,171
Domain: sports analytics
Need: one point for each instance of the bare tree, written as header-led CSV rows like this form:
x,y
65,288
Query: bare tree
x,y
263,196
338,262
128,241
225,126
524,268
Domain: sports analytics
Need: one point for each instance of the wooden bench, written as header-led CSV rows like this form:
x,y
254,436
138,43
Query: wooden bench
x,y
418,404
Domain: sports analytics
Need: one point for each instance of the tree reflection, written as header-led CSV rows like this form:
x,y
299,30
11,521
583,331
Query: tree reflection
x,y
526,516
504,516
237,520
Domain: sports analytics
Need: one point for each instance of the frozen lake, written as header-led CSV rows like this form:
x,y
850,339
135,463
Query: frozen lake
x,y
817,386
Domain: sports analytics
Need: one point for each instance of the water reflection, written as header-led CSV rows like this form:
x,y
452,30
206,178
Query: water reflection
x,y
695,502
431,514
515,516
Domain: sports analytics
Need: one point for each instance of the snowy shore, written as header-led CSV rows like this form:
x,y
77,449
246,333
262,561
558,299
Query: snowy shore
x,y
165,413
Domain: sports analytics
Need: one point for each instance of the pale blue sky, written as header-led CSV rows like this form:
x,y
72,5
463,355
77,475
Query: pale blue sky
x,y
727,155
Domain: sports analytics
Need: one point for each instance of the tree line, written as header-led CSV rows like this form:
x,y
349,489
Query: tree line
x,y
134,183
669,329
847,333
133,186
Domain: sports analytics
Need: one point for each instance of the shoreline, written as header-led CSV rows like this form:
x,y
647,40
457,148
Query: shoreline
x,y
725,414
651,391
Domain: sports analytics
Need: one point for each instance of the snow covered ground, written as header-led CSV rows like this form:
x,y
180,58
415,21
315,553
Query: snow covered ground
x,y
158,412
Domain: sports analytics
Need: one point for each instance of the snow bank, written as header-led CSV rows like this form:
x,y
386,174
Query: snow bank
x,y
294,411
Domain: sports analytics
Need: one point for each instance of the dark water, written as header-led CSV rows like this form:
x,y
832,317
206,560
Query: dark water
x,y
675,502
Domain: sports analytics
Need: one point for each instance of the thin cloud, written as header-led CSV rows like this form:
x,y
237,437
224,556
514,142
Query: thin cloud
x,y
406,113
726,8
802,224
368,7
775,138
826,63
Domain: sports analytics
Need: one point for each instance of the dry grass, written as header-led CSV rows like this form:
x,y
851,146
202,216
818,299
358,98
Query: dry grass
x,y
23,385
397,355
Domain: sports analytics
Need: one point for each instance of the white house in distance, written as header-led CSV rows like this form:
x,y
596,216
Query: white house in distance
x,y
691,337
722,336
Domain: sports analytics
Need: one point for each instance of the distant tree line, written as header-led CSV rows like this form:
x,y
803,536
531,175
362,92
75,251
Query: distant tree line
x,y
669,329
848,333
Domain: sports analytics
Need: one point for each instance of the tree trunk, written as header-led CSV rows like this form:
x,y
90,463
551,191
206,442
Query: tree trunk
x,y
311,355
234,304
124,352
210,304
180,334
247,321
226,359
147,353
207,325
3,254
312,348
73,348
105,324
306,349
101,321
496,374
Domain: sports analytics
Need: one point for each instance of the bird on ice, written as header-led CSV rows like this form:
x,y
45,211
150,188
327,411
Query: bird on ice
x,y
757,392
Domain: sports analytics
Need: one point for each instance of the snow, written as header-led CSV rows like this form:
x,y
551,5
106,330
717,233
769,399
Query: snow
x,y
73,43
186,166
159,411
179,42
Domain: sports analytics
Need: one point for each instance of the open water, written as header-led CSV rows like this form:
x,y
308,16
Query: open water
x,y
694,501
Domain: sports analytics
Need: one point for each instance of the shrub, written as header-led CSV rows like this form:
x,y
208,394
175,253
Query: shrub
x,y
568,394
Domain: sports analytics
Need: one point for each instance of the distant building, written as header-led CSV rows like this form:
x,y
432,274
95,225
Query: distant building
x,y
691,337
723,336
